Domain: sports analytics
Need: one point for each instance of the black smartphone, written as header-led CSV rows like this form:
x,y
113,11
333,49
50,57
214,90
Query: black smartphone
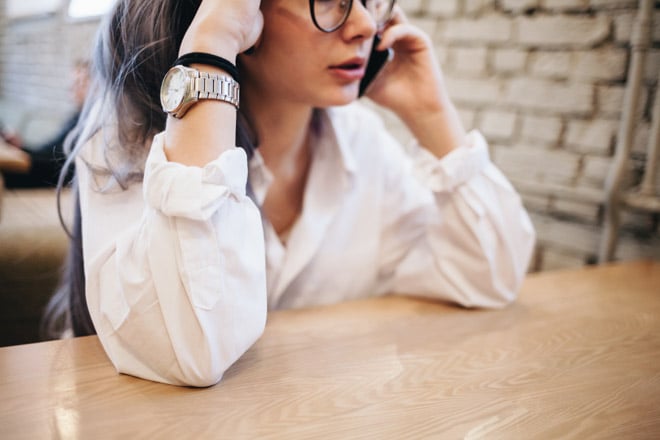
x,y
377,59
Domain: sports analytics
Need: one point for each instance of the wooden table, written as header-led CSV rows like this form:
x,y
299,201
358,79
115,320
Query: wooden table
x,y
578,356
13,159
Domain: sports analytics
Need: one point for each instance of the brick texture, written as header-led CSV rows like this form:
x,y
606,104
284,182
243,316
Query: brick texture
x,y
562,31
550,96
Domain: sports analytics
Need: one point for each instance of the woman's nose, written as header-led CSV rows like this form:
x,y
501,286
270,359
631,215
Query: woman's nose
x,y
360,23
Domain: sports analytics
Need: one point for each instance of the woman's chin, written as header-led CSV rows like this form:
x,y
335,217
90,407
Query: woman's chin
x,y
343,96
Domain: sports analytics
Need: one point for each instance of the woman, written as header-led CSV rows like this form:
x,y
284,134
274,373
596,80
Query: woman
x,y
182,263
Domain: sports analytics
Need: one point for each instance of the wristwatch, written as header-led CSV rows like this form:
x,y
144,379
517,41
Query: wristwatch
x,y
184,86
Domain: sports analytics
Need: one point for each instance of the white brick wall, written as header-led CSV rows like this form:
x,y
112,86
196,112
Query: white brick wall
x,y
544,96
486,30
544,80
40,52
469,60
509,60
594,137
549,100
498,125
551,65
594,170
562,30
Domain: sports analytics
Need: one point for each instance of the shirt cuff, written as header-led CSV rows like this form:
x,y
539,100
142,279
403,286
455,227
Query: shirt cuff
x,y
193,192
455,168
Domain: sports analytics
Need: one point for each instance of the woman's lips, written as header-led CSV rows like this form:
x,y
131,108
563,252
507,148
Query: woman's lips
x,y
351,70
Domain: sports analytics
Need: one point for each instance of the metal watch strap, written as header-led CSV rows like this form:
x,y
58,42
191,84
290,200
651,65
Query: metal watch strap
x,y
214,86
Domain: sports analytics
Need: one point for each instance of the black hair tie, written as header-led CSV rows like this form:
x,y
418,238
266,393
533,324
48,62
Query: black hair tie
x,y
209,60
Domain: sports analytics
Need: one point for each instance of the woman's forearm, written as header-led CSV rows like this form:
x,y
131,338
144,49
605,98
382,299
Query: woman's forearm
x,y
439,131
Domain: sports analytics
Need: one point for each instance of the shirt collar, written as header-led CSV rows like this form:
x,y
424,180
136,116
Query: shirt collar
x,y
331,143
337,138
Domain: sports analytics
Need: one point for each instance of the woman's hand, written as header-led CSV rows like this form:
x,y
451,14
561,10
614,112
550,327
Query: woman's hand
x,y
224,28
412,86
13,159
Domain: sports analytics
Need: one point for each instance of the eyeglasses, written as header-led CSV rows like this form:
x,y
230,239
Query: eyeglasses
x,y
330,15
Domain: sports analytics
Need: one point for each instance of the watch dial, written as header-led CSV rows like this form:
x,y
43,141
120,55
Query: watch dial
x,y
174,87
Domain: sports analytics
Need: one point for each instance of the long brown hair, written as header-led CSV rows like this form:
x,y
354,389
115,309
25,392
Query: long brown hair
x,y
135,46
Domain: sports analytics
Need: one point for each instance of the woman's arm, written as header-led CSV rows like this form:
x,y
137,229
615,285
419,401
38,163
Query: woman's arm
x,y
175,267
223,28
412,86
475,238
455,228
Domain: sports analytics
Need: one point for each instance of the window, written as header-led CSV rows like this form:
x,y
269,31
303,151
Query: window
x,y
87,8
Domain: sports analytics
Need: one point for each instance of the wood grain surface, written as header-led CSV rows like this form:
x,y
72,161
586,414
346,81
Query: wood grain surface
x,y
578,356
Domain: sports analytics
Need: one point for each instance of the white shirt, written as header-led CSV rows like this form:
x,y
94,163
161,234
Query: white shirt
x,y
181,269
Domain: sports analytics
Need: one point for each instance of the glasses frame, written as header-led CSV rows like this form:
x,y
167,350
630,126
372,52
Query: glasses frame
x,y
343,21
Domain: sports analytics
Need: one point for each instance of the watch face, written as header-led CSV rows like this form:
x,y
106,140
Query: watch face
x,y
173,89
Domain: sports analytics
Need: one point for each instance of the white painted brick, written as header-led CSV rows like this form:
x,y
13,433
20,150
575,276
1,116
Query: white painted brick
x,y
562,30
518,5
429,26
509,60
614,4
474,91
567,235
623,24
550,64
604,64
498,124
652,65
444,8
581,211
411,6
478,6
470,60
535,203
538,164
46,50
468,118
565,5
547,130
594,171
641,138
591,137
442,53
550,96
489,29
610,100
557,258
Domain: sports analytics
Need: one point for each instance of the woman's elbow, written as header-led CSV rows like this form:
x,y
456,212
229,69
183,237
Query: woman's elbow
x,y
207,378
208,368
200,363
492,296
503,285
508,267
497,284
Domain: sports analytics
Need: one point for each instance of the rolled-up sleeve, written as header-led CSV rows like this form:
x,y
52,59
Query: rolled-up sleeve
x,y
476,238
175,268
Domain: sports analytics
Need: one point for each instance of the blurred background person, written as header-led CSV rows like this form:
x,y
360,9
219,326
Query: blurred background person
x,y
35,166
